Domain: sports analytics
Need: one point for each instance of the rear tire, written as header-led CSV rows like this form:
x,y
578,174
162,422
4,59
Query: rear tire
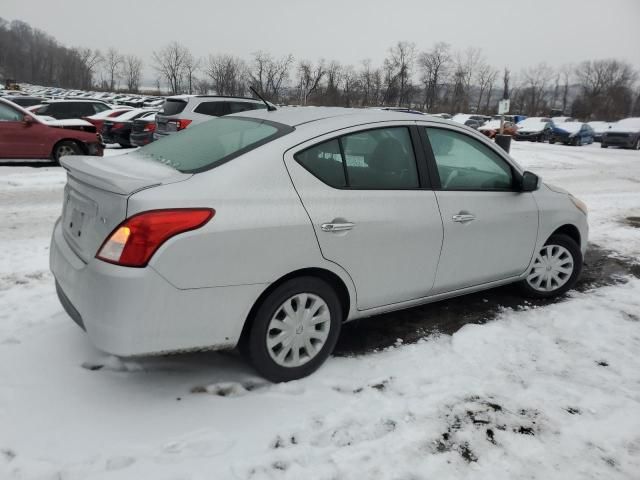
x,y
294,330
555,270
603,145
64,149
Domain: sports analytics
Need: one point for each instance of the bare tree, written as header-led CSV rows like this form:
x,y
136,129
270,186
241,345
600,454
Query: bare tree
x,y
370,83
113,61
309,77
536,81
91,60
268,74
399,64
170,63
606,88
227,73
191,66
350,86
485,78
131,72
434,66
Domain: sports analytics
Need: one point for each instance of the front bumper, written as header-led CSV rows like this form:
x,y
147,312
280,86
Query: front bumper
x,y
528,136
626,142
136,311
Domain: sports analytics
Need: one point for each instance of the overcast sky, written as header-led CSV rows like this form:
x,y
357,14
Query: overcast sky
x,y
514,33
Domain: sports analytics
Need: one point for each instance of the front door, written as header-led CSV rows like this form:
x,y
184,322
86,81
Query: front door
x,y
490,228
18,139
371,209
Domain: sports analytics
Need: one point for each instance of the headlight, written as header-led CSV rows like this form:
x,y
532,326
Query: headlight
x,y
580,205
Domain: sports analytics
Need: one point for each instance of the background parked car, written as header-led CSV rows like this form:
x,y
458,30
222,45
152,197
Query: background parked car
x,y
63,109
625,133
25,100
598,129
142,130
492,128
463,117
475,124
24,136
99,118
535,129
118,129
182,110
557,120
572,133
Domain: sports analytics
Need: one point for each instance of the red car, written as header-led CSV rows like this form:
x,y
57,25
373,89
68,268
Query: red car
x,y
24,136
99,118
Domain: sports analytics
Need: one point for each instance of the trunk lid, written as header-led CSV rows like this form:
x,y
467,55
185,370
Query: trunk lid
x,y
97,192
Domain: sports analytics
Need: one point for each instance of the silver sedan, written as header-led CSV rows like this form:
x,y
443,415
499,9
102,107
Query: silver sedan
x,y
269,229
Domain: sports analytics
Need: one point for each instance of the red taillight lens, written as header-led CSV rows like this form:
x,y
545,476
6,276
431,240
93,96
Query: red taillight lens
x,y
181,123
117,125
134,241
150,127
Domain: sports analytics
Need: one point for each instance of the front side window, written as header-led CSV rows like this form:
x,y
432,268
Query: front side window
x,y
382,158
464,163
8,114
208,144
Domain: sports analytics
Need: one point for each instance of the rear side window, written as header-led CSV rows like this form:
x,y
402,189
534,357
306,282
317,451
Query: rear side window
x,y
235,107
215,109
379,159
173,107
209,144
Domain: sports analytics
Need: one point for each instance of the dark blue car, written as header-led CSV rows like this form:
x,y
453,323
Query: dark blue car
x,y
571,133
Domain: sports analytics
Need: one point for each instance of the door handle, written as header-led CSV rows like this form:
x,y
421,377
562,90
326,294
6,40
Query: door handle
x,y
463,217
337,227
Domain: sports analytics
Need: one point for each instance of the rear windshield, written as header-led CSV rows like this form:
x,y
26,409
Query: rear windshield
x,y
173,106
212,143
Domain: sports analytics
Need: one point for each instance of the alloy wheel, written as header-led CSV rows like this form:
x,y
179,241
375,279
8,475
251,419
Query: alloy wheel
x,y
298,330
552,268
65,150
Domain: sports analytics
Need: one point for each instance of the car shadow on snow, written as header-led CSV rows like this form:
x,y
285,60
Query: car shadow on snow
x,y
601,268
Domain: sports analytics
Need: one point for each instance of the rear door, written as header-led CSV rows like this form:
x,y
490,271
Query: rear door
x,y
366,192
490,228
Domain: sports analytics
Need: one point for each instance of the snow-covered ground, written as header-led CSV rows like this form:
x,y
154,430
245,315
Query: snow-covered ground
x,y
541,393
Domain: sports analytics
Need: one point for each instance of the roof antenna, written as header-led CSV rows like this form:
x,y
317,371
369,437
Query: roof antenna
x,y
270,107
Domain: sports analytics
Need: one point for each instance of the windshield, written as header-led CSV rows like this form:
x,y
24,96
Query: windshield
x,y
213,142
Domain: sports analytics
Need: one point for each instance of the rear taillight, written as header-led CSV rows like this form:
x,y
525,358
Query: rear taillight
x,y
117,125
181,123
134,241
150,127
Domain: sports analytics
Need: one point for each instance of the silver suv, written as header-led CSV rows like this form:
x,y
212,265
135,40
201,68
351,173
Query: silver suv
x,y
183,110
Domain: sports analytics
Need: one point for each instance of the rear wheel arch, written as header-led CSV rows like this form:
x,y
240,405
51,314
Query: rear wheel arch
x,y
328,276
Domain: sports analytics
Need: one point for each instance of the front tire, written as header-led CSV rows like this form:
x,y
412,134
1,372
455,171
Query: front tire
x,y
64,149
555,270
603,145
294,330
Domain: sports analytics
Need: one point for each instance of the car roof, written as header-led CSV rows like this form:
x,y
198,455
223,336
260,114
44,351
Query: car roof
x,y
67,100
213,97
296,116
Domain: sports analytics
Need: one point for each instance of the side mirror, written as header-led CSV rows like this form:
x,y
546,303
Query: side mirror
x,y
529,182
28,120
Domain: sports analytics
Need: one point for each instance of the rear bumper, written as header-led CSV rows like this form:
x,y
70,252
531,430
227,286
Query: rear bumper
x,y
135,311
141,139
